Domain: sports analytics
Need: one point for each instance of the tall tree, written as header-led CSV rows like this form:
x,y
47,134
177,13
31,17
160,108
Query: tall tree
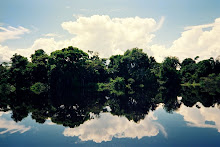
x,y
39,67
187,71
19,72
169,75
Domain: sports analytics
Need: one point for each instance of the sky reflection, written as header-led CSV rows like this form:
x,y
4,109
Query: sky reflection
x,y
107,126
11,126
198,116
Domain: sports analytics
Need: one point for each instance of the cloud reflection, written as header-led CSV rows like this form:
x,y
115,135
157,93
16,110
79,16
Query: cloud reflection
x,y
108,126
199,117
10,126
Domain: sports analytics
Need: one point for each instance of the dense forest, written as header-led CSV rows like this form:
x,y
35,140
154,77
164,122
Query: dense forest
x,y
72,68
69,84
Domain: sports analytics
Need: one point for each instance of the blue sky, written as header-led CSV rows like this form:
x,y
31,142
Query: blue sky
x,y
45,17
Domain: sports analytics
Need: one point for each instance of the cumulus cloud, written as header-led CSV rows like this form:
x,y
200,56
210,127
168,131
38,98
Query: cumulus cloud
x,y
199,117
158,51
110,36
194,41
10,126
12,33
47,44
5,53
108,126
99,33
198,42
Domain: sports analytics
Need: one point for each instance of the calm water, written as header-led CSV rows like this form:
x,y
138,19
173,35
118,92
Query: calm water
x,y
183,121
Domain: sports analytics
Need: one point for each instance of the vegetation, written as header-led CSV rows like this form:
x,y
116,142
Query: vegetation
x,y
71,68
68,84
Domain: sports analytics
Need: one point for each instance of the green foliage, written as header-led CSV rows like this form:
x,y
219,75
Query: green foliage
x,y
68,84
38,88
204,68
191,95
64,72
39,67
135,65
5,87
211,83
188,69
19,72
115,86
169,76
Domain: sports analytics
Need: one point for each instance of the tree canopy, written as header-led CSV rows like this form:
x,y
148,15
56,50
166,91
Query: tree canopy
x,y
68,84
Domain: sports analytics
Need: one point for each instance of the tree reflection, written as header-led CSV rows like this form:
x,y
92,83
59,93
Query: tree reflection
x,y
133,106
192,95
77,107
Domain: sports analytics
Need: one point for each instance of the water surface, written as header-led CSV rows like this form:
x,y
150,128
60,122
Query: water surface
x,y
101,120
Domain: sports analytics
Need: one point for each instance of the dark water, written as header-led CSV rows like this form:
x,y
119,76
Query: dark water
x,y
189,118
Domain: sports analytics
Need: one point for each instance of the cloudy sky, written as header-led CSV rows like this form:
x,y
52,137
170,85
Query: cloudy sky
x,y
160,27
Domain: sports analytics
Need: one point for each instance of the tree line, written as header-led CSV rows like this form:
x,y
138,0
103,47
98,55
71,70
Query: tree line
x,y
72,68
68,84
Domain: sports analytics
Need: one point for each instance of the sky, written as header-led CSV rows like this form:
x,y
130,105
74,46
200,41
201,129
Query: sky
x,y
161,28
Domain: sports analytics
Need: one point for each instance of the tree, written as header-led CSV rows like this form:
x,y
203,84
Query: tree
x,y
134,64
39,67
169,76
187,71
66,70
5,88
204,68
217,65
114,65
19,72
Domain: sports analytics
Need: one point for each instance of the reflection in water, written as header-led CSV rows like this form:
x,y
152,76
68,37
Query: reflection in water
x,y
102,116
198,116
10,126
107,126
49,122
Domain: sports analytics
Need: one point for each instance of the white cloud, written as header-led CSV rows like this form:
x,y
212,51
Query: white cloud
x,y
158,51
160,24
110,36
51,35
99,33
198,117
198,42
12,33
108,126
194,41
11,126
47,44
216,23
5,53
